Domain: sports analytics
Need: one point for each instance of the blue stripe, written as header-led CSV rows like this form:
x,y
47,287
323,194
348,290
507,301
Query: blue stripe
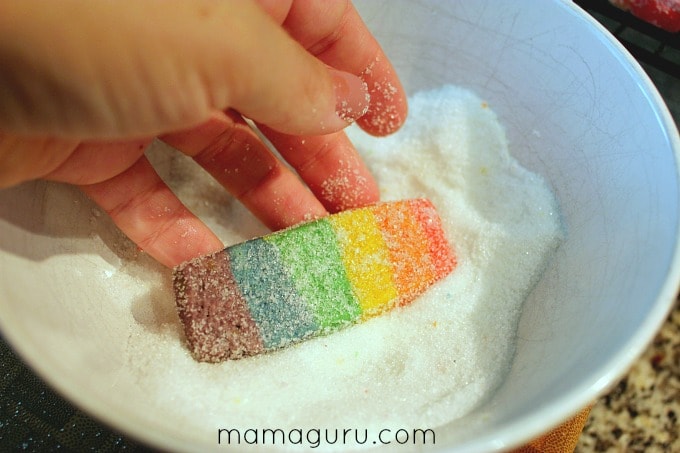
x,y
278,310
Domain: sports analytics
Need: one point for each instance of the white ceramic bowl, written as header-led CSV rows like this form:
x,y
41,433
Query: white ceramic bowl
x,y
577,110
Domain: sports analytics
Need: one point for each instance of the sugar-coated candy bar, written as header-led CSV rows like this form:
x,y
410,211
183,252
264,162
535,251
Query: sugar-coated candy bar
x,y
311,279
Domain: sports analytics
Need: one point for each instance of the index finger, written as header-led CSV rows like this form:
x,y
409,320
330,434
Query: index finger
x,y
334,32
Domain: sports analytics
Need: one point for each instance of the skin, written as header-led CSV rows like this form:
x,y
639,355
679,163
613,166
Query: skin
x,y
85,85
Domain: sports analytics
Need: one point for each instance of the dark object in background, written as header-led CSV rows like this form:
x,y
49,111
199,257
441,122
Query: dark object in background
x,y
662,13
649,44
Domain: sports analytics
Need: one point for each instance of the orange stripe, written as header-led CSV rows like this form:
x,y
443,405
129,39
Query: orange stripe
x,y
408,246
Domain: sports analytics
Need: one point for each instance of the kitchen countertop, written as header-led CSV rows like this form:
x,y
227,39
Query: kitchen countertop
x,y
640,413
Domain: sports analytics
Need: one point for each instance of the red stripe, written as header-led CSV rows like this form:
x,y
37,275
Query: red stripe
x,y
441,253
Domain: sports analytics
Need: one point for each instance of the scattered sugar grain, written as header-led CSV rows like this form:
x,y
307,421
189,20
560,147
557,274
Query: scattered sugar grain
x,y
422,365
345,188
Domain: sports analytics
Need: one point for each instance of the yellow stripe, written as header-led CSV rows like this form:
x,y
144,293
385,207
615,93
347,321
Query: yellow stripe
x,y
366,259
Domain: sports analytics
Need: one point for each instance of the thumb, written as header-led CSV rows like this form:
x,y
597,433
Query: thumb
x,y
282,85
98,69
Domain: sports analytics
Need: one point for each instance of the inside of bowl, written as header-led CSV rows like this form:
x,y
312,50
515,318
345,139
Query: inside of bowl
x,y
576,110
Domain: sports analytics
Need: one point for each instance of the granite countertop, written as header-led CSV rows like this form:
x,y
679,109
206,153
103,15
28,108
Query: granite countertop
x,y
640,414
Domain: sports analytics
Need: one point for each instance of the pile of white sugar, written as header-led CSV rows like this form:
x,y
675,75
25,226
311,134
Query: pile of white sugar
x,y
418,366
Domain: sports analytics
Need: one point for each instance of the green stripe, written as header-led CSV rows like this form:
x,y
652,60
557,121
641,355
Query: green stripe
x,y
312,258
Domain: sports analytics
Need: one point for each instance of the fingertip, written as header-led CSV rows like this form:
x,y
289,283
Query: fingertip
x,y
184,239
331,167
383,120
388,107
387,112
278,210
320,108
351,96
349,186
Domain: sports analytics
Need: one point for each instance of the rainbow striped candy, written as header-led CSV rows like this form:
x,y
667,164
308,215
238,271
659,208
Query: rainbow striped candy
x,y
311,279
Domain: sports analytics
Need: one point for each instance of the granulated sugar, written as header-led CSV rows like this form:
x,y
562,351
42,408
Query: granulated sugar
x,y
419,366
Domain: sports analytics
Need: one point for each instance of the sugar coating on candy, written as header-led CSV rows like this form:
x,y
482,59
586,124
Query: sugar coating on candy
x,y
217,319
442,256
311,256
311,279
406,243
280,313
366,258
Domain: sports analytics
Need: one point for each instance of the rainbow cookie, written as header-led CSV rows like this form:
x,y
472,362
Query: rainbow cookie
x,y
311,279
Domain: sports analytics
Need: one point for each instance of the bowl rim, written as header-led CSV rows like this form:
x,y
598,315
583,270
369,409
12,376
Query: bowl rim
x,y
526,428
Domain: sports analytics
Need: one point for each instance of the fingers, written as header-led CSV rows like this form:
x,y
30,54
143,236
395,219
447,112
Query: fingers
x,y
121,181
93,162
147,211
333,31
236,157
198,57
26,158
118,178
331,167
102,70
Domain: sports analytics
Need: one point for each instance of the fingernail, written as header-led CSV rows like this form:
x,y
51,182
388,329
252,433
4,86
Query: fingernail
x,y
351,96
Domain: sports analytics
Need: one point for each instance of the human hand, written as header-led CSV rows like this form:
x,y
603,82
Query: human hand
x,y
86,85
